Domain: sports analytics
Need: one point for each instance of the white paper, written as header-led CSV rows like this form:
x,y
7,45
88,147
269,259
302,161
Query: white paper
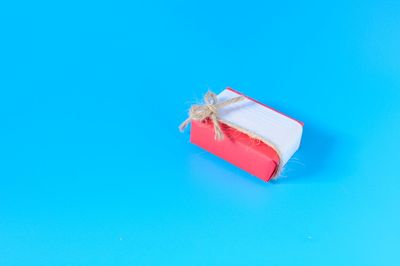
x,y
281,131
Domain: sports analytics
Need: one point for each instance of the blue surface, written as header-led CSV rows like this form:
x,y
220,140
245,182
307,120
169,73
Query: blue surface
x,y
93,170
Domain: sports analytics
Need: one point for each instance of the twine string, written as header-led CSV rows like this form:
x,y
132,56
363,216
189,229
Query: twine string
x,y
210,110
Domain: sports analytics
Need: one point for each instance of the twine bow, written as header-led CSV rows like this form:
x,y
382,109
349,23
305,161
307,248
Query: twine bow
x,y
209,110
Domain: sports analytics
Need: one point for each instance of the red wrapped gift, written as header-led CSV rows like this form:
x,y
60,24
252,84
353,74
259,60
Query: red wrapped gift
x,y
244,132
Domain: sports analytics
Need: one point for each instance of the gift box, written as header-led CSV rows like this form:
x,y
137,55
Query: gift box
x,y
245,132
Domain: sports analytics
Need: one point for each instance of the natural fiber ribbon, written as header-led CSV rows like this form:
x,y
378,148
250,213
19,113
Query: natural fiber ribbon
x,y
210,110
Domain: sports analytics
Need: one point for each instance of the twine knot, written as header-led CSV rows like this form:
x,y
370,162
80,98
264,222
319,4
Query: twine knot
x,y
209,110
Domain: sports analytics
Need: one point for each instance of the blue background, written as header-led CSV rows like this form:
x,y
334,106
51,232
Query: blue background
x,y
93,170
